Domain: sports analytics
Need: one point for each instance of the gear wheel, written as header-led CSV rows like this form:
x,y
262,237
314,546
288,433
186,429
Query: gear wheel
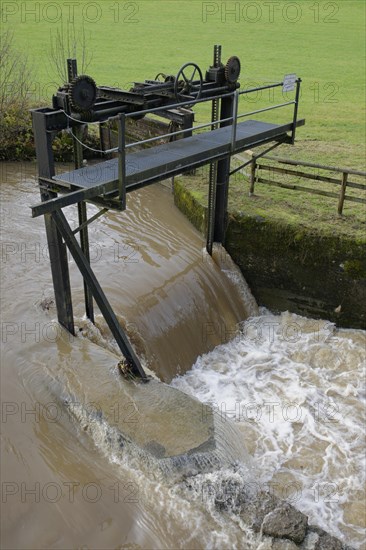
x,y
160,77
86,116
82,93
232,69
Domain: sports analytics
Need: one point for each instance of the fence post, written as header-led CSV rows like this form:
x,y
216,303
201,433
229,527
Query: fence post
x,y
253,168
342,193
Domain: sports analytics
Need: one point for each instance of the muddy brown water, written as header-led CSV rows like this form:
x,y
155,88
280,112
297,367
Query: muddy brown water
x,y
293,387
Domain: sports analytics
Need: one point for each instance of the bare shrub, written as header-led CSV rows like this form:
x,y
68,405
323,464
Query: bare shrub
x,y
69,42
15,74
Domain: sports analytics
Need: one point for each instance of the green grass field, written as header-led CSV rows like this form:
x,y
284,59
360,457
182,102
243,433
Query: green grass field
x,y
323,42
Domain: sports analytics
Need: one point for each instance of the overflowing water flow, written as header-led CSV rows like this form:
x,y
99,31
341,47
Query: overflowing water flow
x,y
287,390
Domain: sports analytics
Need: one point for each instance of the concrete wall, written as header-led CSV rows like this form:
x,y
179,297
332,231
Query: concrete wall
x,y
290,268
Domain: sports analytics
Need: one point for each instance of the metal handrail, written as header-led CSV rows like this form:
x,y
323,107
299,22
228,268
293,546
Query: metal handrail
x,y
121,149
156,138
267,109
258,88
170,134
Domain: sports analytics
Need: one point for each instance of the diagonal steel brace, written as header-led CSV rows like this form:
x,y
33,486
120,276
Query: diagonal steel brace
x,y
98,294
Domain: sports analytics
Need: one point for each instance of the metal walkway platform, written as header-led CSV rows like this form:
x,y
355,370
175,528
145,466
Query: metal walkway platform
x,y
157,163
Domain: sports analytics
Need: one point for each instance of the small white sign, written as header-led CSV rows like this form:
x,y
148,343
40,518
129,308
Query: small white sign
x,y
289,82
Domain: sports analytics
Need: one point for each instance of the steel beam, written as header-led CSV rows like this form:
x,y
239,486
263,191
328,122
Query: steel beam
x,y
72,198
90,220
261,154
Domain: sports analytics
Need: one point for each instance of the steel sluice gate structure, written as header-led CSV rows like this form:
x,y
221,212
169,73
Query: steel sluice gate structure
x,y
81,102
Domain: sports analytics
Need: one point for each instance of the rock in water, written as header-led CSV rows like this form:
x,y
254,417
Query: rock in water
x,y
285,522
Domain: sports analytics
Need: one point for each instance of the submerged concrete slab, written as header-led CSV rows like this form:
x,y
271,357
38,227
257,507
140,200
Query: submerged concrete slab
x,y
158,418
171,430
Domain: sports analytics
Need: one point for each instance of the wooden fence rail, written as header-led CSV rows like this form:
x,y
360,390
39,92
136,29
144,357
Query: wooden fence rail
x,y
343,182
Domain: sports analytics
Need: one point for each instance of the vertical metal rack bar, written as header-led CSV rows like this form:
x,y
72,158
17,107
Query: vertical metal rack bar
x,y
213,165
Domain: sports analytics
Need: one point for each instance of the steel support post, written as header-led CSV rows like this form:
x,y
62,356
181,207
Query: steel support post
x,y
296,108
83,217
223,174
56,247
188,120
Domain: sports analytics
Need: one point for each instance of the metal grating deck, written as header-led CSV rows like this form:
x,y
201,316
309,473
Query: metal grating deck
x,y
172,158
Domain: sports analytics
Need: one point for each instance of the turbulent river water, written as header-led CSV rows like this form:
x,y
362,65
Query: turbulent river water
x,y
293,388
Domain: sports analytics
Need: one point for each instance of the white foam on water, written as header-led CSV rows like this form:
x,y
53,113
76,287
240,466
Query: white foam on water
x,y
296,389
